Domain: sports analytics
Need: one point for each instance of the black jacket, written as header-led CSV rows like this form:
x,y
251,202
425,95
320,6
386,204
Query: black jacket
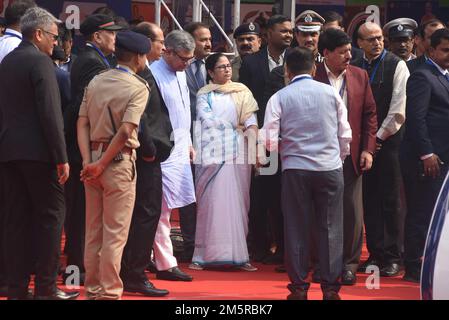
x,y
415,63
155,127
31,124
254,74
427,113
86,66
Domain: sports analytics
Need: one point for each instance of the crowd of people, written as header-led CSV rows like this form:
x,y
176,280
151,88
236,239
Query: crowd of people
x,y
286,154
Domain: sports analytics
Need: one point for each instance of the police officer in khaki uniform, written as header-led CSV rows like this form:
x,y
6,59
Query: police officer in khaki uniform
x,y
109,116
247,38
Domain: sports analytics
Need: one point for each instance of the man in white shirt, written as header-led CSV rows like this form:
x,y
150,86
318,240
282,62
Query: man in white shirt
x,y
13,36
315,138
177,179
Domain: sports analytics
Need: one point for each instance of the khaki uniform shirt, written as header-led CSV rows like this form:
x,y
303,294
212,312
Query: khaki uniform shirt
x,y
125,93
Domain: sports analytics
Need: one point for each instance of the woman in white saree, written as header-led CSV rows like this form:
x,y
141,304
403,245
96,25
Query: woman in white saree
x,y
226,112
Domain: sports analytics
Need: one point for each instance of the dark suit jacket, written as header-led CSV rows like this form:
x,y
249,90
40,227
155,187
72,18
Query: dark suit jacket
x,y
86,66
427,114
416,63
194,87
155,127
31,125
63,78
361,111
254,73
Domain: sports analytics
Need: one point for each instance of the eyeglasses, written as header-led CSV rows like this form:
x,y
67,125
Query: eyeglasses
x,y
373,39
54,36
184,59
224,67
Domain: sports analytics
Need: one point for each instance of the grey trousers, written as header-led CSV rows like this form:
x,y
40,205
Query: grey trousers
x,y
352,217
309,195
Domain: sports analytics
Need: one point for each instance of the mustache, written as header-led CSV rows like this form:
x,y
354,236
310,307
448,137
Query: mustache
x,y
246,47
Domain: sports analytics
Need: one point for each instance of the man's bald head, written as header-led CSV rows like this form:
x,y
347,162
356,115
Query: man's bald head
x,y
371,40
368,27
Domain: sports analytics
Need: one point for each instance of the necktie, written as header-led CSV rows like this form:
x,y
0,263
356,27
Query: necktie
x,y
199,74
447,76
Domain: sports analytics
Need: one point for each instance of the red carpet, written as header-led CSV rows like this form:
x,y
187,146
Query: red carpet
x,y
266,284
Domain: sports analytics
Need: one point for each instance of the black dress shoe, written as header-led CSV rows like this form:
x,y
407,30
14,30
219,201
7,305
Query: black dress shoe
x,y
276,258
412,276
348,278
280,269
390,270
144,287
368,264
296,293
59,295
173,274
28,295
331,295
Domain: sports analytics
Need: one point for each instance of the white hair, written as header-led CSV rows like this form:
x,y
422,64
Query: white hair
x,y
36,18
180,40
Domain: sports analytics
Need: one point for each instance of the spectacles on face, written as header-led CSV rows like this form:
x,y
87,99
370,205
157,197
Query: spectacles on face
x,y
184,59
223,67
374,39
54,36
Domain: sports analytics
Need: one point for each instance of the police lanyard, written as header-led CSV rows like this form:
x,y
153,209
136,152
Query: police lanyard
x,y
122,69
300,79
373,73
100,53
431,63
13,35
342,88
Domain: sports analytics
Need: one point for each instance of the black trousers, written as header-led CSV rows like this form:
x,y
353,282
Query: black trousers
x,y
2,230
265,216
309,196
187,222
421,194
381,204
146,214
75,222
33,197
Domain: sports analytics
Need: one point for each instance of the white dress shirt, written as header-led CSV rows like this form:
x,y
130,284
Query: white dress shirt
x,y
9,42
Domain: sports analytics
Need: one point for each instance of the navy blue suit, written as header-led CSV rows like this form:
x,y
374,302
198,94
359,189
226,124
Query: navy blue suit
x,y
427,131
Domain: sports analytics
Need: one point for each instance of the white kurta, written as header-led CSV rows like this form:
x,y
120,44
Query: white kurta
x,y
177,179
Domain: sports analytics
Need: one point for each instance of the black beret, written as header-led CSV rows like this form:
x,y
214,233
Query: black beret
x,y
133,42
96,22
247,28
